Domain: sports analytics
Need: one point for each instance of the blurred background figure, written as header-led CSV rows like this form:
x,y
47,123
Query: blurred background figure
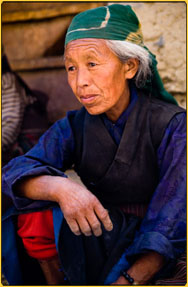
x,y
24,117
20,129
15,99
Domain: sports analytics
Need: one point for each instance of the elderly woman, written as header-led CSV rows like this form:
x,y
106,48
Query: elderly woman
x,y
126,225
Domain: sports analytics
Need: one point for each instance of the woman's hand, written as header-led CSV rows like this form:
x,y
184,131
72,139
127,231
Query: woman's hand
x,y
81,209
143,270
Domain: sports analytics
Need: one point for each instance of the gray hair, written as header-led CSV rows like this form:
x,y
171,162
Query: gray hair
x,y
125,50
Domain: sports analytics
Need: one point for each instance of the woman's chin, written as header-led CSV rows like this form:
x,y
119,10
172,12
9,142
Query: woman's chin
x,y
94,111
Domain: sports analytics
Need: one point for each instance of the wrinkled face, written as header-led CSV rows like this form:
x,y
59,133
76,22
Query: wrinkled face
x,y
97,77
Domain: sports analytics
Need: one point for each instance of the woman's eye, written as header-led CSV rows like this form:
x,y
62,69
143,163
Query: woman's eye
x,y
91,64
70,69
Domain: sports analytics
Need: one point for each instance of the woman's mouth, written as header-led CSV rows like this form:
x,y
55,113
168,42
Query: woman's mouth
x,y
87,99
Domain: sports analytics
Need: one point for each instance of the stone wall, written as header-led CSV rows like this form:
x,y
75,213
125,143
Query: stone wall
x,y
33,38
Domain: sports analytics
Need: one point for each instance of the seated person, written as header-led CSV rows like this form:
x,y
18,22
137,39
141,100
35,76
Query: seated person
x,y
127,224
15,98
19,104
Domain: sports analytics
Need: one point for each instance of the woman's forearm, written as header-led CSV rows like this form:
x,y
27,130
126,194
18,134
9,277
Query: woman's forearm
x,y
146,266
44,187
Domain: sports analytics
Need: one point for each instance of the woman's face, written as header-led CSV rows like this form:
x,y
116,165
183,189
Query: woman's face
x,y
97,77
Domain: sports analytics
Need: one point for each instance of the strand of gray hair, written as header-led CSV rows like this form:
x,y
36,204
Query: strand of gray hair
x,y
125,50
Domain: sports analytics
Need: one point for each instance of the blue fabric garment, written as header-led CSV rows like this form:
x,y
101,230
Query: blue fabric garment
x,y
9,250
162,229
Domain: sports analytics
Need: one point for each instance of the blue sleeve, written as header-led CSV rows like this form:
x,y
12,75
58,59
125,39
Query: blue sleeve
x,y
52,155
163,229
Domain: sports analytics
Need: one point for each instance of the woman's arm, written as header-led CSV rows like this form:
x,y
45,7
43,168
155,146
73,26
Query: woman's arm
x,y
37,179
81,209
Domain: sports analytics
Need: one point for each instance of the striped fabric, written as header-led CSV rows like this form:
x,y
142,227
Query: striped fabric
x,y
180,274
14,101
135,208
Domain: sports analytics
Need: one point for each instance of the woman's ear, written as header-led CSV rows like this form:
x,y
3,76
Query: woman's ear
x,y
131,67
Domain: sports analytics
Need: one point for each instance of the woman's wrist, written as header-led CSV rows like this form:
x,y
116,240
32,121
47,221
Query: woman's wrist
x,y
143,270
130,279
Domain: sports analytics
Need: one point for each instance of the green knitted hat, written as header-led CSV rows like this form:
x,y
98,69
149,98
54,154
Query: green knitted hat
x,y
117,22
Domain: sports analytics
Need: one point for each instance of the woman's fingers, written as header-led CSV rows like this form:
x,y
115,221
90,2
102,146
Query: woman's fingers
x,y
84,226
73,226
87,225
94,223
90,221
103,216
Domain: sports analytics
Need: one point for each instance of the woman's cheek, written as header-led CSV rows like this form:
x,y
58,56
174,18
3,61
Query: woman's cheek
x,y
72,84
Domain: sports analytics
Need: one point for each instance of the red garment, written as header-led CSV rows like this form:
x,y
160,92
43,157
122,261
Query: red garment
x,y
37,233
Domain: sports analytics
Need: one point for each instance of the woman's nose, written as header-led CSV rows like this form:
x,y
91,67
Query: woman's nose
x,y
83,78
